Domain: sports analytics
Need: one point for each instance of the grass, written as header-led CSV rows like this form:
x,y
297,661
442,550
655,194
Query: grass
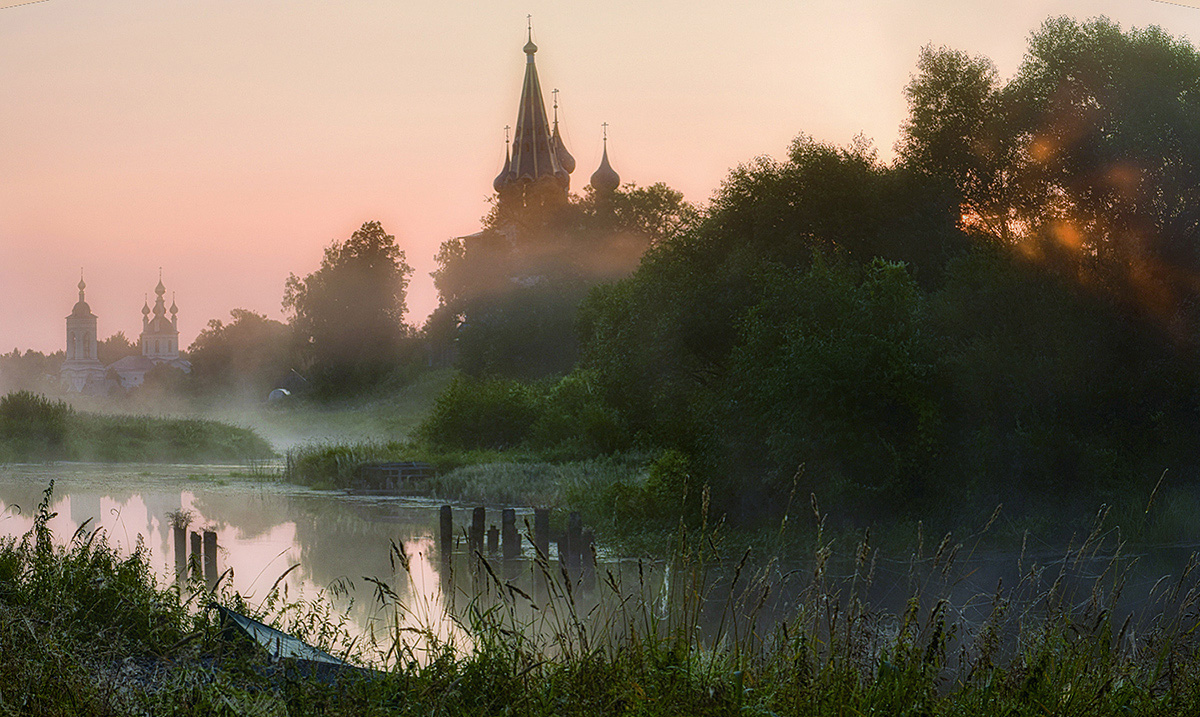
x,y
33,428
86,631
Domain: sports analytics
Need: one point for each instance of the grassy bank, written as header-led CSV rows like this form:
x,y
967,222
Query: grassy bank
x,y
33,428
86,631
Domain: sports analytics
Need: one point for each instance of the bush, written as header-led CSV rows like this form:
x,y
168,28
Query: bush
x,y
481,414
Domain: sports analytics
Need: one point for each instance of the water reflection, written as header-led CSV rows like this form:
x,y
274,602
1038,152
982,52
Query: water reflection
x,y
262,528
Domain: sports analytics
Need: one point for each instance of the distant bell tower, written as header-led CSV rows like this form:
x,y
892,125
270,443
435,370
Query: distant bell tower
x,y
81,366
538,170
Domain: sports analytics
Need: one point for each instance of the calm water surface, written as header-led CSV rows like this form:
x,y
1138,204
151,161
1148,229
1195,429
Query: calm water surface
x,y
263,528
336,540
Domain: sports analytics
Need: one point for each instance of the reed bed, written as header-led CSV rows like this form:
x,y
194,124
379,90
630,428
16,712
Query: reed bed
x,y
85,631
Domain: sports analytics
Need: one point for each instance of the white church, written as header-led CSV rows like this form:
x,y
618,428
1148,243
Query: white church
x,y
82,371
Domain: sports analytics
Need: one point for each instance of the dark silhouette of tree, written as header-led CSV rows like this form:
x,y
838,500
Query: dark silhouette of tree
x,y
348,316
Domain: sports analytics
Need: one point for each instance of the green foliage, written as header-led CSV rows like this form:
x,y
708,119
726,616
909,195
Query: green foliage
x,y
348,316
835,373
527,332
481,413
249,355
115,348
509,294
33,428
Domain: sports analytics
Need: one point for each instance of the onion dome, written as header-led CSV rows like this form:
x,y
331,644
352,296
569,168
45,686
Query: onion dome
x,y
81,307
605,180
502,179
174,309
146,307
565,160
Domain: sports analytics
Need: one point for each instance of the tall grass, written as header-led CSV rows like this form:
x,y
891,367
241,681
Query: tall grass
x,y
33,428
86,631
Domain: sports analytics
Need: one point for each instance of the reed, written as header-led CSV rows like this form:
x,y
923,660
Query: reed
x,y
708,631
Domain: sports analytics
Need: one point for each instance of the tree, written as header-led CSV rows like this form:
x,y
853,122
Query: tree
x,y
509,294
348,316
1088,160
250,354
115,348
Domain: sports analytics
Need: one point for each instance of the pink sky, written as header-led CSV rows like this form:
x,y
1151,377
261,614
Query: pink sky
x,y
229,141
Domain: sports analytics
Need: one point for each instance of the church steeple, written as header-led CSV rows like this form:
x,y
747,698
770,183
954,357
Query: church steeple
x,y
535,158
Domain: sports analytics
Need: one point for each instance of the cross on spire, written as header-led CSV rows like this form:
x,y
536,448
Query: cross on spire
x,y
506,129
605,126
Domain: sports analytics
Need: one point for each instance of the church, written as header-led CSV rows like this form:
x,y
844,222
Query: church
x,y
82,371
537,168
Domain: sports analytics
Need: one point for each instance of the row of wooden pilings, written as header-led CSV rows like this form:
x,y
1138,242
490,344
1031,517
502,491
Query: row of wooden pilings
x,y
200,561
576,546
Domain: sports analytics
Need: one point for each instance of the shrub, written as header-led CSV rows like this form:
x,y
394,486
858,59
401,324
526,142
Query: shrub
x,y
482,413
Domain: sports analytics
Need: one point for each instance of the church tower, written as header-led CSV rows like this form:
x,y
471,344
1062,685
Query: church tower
x,y
81,365
160,335
537,172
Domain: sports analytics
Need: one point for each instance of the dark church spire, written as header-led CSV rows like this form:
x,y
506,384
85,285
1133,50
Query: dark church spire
x,y
535,158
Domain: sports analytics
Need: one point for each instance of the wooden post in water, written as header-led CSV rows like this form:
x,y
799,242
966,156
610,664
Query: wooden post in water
x,y
564,556
446,535
541,545
195,557
493,540
512,539
574,541
210,559
181,553
588,550
541,531
478,518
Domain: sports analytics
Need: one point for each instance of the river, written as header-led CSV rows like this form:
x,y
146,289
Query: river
x,y
337,541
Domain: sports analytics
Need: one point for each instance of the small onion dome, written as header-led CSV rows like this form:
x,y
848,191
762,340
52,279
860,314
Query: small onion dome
x,y
160,289
146,308
605,180
530,48
174,309
565,160
503,178
81,307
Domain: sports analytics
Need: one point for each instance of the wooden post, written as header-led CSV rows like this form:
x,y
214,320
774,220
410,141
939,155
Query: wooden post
x,y
446,543
195,557
181,553
541,531
512,539
588,550
478,518
574,540
210,559
493,540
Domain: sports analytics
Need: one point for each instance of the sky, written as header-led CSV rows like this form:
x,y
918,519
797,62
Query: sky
x,y
230,141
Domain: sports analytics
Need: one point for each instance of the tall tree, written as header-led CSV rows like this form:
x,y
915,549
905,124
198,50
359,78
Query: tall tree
x,y
348,315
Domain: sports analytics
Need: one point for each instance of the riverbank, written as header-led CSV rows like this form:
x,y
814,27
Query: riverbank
x,y
84,630
34,428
